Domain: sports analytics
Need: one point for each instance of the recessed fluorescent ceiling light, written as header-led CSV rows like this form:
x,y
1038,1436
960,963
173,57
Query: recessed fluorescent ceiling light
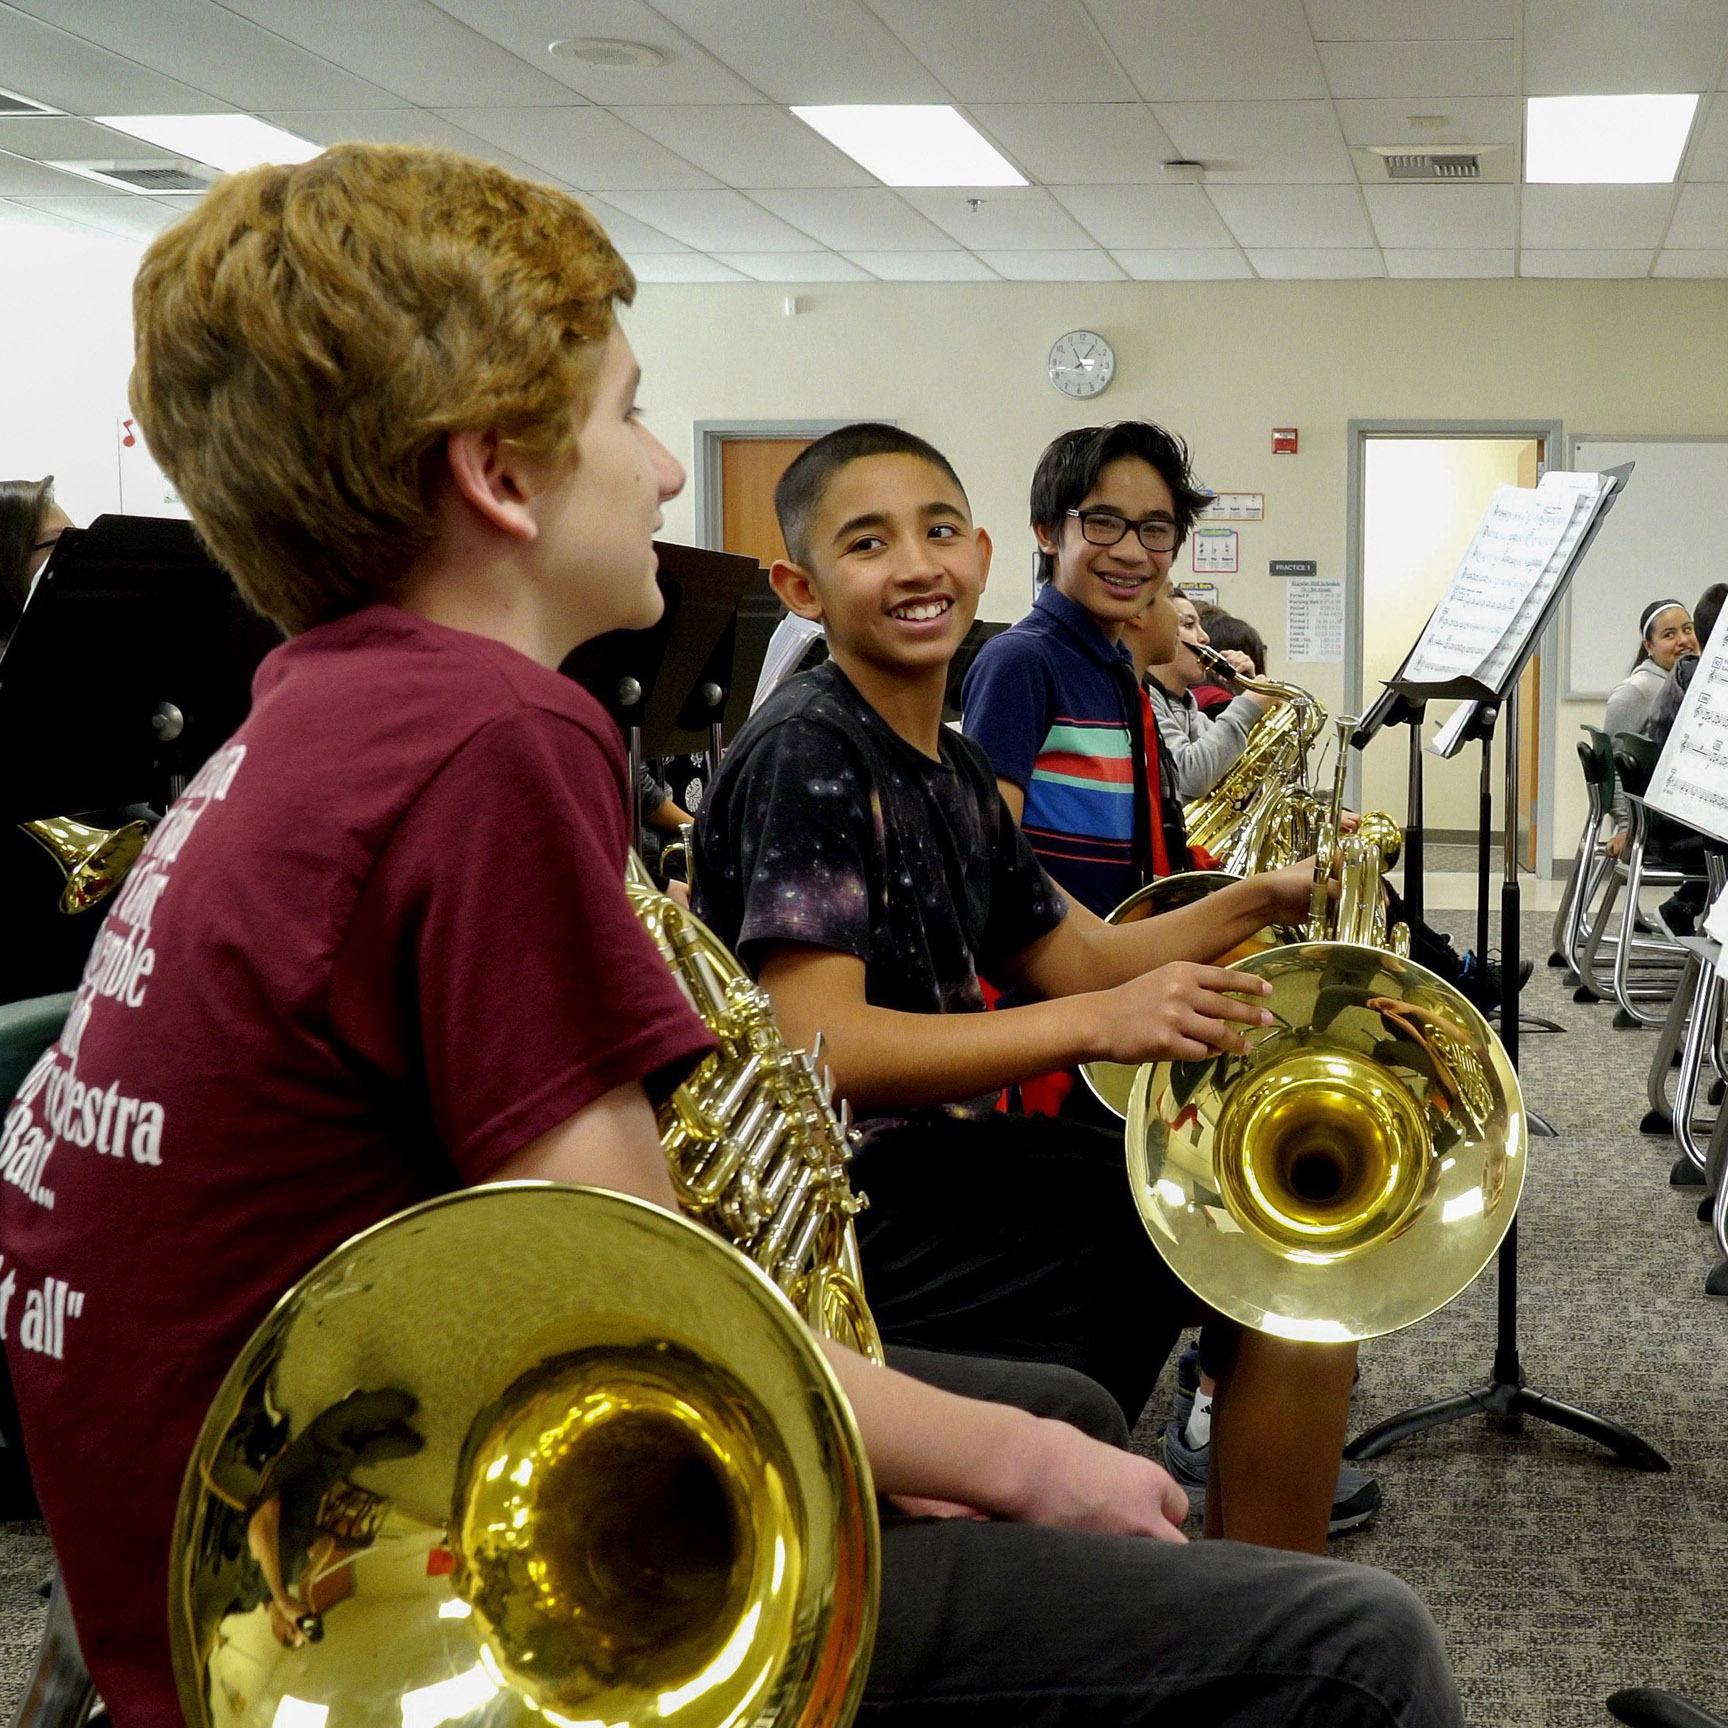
x,y
226,141
1605,140
913,146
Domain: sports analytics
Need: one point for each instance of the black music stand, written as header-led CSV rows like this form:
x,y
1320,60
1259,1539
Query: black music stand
x,y
669,686
131,664
1507,1392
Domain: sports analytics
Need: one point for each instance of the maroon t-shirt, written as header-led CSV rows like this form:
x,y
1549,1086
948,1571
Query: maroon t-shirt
x,y
380,944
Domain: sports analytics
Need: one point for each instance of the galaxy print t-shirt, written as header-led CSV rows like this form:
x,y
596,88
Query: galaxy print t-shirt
x,y
824,827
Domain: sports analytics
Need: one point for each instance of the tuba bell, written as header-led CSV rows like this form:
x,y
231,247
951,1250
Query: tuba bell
x,y
526,1455
1350,1174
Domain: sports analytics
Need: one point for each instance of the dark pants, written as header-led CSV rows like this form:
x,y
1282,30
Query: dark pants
x,y
1017,1236
1023,1626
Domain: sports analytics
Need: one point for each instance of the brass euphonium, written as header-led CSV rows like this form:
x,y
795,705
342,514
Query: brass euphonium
x,y
526,1456
752,1141
94,861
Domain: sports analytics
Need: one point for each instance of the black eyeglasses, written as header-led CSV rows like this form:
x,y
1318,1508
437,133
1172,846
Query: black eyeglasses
x,y
1105,528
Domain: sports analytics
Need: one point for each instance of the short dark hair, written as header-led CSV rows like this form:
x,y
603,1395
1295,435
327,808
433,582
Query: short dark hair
x,y
805,483
1227,631
1072,462
24,507
1706,612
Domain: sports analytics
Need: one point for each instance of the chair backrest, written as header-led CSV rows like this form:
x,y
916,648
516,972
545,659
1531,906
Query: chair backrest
x,y
1596,753
27,1029
1635,758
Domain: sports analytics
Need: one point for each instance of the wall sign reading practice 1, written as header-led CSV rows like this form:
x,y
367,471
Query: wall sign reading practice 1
x,y
1294,567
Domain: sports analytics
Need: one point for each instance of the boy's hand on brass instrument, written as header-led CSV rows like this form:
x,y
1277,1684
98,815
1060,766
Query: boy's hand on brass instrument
x,y
1182,1010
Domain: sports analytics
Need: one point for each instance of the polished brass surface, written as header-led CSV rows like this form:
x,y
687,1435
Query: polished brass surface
x,y
1350,1174
754,1147
1111,1082
94,861
528,1454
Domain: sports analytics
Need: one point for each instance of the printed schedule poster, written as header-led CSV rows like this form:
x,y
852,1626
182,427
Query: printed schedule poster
x,y
1691,779
1314,618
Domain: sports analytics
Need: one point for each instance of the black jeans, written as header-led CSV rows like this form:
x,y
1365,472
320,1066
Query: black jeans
x,y
1024,1626
1017,1236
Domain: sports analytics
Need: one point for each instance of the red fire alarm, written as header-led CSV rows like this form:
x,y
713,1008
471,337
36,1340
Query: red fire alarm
x,y
1283,440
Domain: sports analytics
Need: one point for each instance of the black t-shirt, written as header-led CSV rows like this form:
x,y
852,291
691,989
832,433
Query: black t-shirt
x,y
824,827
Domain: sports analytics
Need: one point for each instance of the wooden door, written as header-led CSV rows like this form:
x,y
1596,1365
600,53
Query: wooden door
x,y
750,468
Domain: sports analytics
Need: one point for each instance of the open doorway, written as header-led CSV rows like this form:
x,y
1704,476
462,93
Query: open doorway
x,y
1418,494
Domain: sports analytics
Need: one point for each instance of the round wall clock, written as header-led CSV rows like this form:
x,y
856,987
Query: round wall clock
x,y
1082,363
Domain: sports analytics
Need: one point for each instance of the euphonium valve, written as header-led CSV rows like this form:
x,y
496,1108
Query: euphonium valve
x,y
94,861
1351,1173
526,1455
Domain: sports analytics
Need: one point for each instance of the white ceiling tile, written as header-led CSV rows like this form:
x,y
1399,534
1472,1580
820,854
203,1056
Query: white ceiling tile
x,y
1316,264
1709,158
854,219
1604,47
1302,216
14,217
1080,143
67,72
207,45
1444,215
1082,266
410,47
1595,217
814,51
1206,50
54,138
1149,217
1276,142
1426,69
1162,266
400,126
1008,50
715,221
527,28
1467,120
1449,262
634,239
924,266
1009,218
585,147
1583,262
124,213
1711,263
684,267
794,266
22,178
761,145
1700,218
1411,20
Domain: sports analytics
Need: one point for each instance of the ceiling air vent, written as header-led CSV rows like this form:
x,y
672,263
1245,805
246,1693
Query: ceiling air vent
x,y
164,174
1428,166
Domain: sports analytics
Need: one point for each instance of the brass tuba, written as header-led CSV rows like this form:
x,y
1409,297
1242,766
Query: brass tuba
x,y
526,1456
751,1138
1354,1171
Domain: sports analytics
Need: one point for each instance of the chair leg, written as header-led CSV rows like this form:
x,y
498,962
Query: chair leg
x,y
1588,981
1717,1283
1557,937
1658,1119
1700,1032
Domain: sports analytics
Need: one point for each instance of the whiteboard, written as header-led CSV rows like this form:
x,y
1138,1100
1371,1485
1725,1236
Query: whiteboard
x,y
1667,536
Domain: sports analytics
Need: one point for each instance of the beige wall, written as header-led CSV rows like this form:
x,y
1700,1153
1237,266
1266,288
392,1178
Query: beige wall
x,y
963,364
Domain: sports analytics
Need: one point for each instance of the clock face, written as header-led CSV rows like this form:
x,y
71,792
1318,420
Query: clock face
x,y
1082,363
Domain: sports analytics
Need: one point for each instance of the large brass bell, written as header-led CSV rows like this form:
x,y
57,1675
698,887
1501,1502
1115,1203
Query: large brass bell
x,y
527,1454
94,861
1354,1171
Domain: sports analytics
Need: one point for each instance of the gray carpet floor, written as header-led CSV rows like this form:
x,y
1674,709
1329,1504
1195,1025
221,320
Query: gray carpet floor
x,y
1556,1574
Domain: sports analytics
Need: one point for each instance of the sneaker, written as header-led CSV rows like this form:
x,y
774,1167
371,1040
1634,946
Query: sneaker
x,y
1480,982
1355,1500
1187,1385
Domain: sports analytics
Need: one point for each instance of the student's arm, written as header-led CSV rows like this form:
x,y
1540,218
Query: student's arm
x,y
883,1058
920,1441
1202,758
1014,797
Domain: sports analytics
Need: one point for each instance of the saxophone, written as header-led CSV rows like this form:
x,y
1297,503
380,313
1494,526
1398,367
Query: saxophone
x,y
751,1139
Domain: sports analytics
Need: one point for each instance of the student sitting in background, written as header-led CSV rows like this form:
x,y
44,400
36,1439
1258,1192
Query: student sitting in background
x,y
1242,645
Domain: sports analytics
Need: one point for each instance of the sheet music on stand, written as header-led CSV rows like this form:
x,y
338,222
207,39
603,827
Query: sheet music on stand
x,y
1454,734
1691,779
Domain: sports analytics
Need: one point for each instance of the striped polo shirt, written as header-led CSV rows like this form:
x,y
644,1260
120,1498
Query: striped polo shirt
x,y
1049,700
